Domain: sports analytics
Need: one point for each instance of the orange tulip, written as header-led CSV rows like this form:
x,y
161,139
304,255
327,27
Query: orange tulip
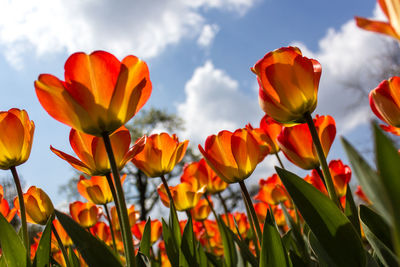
x,y
199,172
86,214
201,211
272,191
65,239
341,175
133,216
212,238
96,189
100,93
156,230
93,159
288,84
102,231
160,154
385,103
5,210
1,192
297,145
268,132
232,156
315,180
38,206
241,220
261,209
391,8
185,195
360,193
16,136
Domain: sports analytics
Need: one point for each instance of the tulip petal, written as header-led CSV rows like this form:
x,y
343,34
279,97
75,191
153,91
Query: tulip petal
x,y
77,164
376,26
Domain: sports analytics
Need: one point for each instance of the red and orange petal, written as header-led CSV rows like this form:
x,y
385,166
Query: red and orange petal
x,y
133,216
184,195
232,156
241,220
272,191
38,206
155,233
341,175
65,239
390,129
391,9
201,211
271,129
99,94
102,231
5,210
1,192
288,84
315,180
261,209
86,214
385,101
160,154
16,137
360,193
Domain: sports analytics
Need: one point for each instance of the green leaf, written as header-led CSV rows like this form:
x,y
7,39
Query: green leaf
x,y
230,255
174,224
388,162
42,257
170,245
146,239
273,252
73,259
93,251
203,260
369,181
142,260
351,211
14,252
323,258
187,244
378,234
216,261
330,226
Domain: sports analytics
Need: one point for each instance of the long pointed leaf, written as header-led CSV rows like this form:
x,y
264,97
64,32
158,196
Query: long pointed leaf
x,y
230,255
170,245
351,211
187,244
329,225
94,252
145,242
42,257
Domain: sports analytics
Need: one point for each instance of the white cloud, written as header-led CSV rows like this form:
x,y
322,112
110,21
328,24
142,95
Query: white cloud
x,y
207,35
143,27
214,102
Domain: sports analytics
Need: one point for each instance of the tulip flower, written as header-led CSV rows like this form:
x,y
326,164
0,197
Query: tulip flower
x,y
160,154
241,221
86,214
99,94
6,211
155,233
297,144
360,193
39,207
232,156
385,103
133,216
341,175
96,189
391,9
16,136
102,231
1,192
92,154
315,180
270,131
201,211
200,173
65,239
184,195
288,84
272,191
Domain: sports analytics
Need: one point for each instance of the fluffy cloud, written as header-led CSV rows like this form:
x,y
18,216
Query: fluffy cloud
x,y
207,35
145,27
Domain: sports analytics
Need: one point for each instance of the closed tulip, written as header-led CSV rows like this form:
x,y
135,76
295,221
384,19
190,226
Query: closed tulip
x,y
16,136
86,214
232,156
5,210
99,94
391,9
288,84
160,154
93,159
297,144
185,195
155,233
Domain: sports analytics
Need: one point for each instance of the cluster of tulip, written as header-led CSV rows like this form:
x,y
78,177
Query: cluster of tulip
x,y
296,222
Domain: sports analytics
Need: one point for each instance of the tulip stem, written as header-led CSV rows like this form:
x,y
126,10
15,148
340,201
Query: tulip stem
x,y
252,216
61,245
111,228
279,160
121,205
211,206
320,174
322,159
164,181
252,227
225,207
24,225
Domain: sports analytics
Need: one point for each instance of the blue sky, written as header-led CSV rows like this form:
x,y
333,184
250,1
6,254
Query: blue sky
x,y
199,54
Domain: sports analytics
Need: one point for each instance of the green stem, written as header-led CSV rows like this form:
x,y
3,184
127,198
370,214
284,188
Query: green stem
x,y
61,245
252,216
121,205
322,159
252,227
225,208
24,225
164,181
111,228
279,160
